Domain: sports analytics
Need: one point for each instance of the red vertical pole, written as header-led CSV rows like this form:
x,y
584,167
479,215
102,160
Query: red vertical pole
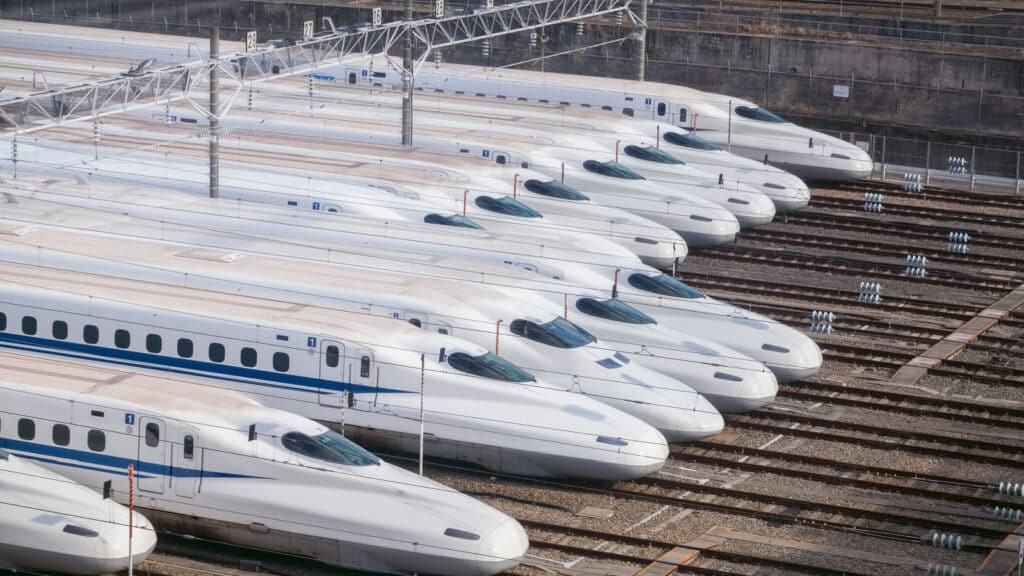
x,y
515,185
465,193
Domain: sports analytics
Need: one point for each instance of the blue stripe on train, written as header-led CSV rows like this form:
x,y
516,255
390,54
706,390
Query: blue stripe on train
x,y
118,464
191,367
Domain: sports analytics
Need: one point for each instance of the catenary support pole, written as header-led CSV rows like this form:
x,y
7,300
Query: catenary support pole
x,y
214,111
423,379
407,80
641,44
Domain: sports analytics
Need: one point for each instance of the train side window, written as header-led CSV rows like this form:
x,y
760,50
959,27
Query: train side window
x,y
185,348
281,361
26,429
152,434
90,334
661,108
442,331
627,111
682,114
122,338
96,440
61,435
29,325
608,108
154,344
543,101
60,329
216,352
332,357
188,447
3,321
364,367
248,357
416,322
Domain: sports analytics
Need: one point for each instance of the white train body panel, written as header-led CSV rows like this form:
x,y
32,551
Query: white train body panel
x,y
49,522
679,198
738,125
426,194
217,465
559,353
787,191
459,253
339,367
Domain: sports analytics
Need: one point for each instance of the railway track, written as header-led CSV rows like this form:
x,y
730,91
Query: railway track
x,y
987,373
898,250
907,229
854,267
881,437
986,414
779,463
922,212
838,517
547,535
930,193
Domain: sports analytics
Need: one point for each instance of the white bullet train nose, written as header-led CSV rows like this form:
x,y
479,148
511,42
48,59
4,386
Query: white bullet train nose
x,y
704,225
788,192
789,353
112,547
743,391
501,550
750,207
659,253
671,406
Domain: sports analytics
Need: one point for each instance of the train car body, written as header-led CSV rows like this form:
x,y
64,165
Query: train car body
x,y
49,522
217,465
337,367
738,125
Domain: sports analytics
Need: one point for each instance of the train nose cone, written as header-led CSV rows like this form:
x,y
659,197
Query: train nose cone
x,y
503,548
755,390
700,422
801,357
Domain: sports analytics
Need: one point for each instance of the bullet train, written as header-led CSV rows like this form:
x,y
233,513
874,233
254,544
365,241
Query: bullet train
x,y
562,174
730,380
51,523
579,160
216,465
341,368
738,125
535,337
681,144
361,189
484,257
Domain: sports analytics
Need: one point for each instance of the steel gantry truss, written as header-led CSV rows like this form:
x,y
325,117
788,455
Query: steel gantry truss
x,y
140,88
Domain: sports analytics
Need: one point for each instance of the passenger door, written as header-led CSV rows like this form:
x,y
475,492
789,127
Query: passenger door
x,y
332,354
151,469
363,373
187,463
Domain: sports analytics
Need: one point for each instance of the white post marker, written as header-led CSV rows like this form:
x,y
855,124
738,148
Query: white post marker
x,y
1020,554
131,515
423,368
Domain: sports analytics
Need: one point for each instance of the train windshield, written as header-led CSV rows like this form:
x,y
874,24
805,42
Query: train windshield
x,y
652,154
663,284
613,309
453,220
690,140
329,447
612,169
554,189
559,333
506,205
759,114
489,365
